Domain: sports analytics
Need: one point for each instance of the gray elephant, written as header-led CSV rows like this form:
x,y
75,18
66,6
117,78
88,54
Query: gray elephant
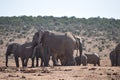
x,y
81,60
117,51
113,58
60,45
93,58
10,50
23,51
39,53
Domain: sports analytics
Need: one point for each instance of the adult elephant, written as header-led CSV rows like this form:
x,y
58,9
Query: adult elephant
x,y
24,51
113,58
10,50
117,51
39,53
60,45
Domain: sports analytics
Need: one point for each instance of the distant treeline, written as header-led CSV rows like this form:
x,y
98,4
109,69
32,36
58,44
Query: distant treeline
x,y
91,27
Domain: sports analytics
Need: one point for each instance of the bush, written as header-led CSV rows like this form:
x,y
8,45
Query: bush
x,y
1,42
100,48
10,40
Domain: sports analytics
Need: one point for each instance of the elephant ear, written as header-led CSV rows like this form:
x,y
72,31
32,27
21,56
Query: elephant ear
x,y
14,47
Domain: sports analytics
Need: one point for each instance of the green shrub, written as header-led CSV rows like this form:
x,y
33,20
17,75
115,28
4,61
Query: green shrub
x,y
1,42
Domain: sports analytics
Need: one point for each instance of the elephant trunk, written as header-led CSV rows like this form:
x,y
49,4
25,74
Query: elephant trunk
x,y
80,48
6,60
34,52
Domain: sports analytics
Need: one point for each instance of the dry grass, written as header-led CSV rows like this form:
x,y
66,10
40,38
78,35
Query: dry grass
x,y
90,72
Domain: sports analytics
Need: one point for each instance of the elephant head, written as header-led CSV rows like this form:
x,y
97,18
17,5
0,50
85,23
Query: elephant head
x,y
37,38
10,50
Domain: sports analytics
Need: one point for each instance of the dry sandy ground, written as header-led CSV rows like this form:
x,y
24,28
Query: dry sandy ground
x,y
89,72
104,72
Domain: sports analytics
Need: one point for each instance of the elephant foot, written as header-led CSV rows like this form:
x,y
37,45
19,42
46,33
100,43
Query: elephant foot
x,y
32,67
17,66
36,65
56,64
70,64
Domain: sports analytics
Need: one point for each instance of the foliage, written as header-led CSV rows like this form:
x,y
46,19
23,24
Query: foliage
x,y
94,26
1,42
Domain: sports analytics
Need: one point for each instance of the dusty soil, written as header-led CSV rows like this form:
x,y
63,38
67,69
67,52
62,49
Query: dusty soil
x,y
90,72
60,73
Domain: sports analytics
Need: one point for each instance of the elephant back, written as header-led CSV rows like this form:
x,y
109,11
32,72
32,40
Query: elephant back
x,y
11,48
92,58
15,46
117,49
24,50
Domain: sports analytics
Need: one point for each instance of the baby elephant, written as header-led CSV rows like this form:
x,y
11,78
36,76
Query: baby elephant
x,y
81,60
93,58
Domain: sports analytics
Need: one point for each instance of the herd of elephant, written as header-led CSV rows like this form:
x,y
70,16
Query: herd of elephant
x,y
46,44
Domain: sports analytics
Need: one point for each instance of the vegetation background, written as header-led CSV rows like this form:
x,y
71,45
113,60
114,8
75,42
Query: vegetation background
x,y
99,35
100,30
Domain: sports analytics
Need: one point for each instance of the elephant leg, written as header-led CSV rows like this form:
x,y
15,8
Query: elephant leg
x,y
98,63
95,64
84,63
55,61
70,61
37,61
6,63
32,62
42,61
46,62
112,62
23,60
62,60
46,57
17,61
118,59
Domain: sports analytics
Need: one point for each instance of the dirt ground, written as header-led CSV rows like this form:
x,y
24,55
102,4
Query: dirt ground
x,y
90,72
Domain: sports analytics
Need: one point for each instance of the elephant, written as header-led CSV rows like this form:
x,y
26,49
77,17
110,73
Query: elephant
x,y
93,58
10,50
81,61
39,53
113,58
60,45
23,51
117,51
